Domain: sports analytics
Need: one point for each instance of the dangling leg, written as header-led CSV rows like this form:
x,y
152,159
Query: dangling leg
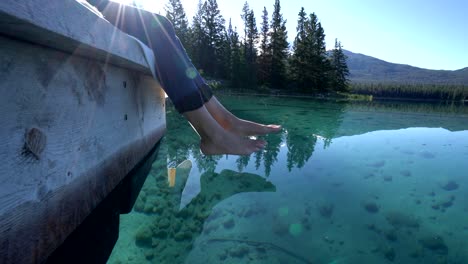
x,y
182,83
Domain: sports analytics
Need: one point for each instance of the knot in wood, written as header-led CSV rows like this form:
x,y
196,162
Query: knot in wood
x,y
35,141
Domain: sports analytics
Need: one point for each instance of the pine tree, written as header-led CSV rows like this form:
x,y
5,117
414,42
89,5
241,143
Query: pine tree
x,y
213,26
301,53
279,47
339,68
176,14
264,59
235,56
250,40
323,64
316,66
198,40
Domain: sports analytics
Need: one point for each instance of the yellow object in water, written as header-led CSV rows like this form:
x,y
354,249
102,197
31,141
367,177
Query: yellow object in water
x,y
171,176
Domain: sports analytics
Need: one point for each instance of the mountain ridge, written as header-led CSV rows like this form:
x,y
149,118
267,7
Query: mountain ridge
x,y
368,69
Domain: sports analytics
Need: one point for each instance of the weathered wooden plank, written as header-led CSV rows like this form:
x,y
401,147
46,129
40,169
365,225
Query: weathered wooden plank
x,y
70,26
71,129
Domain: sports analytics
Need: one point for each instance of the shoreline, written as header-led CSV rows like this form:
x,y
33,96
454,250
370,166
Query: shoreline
x,y
345,96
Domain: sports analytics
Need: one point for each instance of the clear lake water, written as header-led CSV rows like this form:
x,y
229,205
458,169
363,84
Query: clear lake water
x,y
343,183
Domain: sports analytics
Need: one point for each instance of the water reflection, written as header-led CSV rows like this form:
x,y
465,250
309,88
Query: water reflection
x,y
343,183
170,232
307,122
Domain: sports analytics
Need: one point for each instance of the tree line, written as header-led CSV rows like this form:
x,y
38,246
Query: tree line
x,y
448,92
259,58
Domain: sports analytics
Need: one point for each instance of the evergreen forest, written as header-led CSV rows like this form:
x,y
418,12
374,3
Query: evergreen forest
x,y
262,58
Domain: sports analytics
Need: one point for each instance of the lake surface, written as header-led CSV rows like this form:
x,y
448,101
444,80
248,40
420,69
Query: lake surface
x,y
343,183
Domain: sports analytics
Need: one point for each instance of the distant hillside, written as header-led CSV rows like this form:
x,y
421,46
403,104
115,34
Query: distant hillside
x,y
369,69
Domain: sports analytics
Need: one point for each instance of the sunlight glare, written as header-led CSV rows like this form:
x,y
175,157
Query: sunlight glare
x,y
150,5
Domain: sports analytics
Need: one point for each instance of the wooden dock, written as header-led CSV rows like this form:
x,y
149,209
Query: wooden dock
x,y
79,109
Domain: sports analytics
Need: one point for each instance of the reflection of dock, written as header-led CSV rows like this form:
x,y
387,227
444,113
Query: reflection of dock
x,y
79,112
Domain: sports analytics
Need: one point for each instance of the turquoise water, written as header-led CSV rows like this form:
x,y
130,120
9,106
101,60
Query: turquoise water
x,y
343,183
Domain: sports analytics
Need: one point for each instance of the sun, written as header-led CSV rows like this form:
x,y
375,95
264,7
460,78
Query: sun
x,y
150,5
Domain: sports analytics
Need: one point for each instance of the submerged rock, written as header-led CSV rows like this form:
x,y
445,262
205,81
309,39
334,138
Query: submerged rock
x,y
450,186
406,173
388,178
371,207
391,235
399,220
143,236
443,203
390,254
426,154
377,164
434,243
183,235
326,209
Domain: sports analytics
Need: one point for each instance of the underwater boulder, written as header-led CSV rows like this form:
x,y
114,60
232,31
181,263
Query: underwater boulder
x,y
326,209
143,236
371,207
388,178
390,254
398,220
434,243
450,185
405,173
426,154
377,164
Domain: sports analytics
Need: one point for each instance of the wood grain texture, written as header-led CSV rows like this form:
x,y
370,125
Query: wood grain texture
x,y
84,125
70,26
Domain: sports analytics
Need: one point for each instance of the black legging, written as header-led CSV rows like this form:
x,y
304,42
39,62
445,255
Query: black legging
x,y
178,77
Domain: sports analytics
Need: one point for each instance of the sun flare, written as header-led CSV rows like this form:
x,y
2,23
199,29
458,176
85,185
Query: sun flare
x,y
150,5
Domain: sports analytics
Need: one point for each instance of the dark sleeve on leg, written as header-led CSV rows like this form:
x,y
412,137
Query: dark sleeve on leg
x,y
179,78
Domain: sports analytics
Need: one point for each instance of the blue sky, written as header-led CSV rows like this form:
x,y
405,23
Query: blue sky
x,y
429,34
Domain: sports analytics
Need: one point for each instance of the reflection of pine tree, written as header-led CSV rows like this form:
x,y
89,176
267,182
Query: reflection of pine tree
x,y
271,154
205,163
242,162
331,122
300,149
258,159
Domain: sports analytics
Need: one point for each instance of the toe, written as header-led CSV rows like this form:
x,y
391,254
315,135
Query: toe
x,y
274,128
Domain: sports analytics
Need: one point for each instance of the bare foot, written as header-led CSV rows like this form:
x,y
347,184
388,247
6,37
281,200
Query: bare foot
x,y
236,125
248,128
216,140
229,143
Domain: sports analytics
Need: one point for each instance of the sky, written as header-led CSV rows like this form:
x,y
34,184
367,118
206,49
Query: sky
x,y
431,34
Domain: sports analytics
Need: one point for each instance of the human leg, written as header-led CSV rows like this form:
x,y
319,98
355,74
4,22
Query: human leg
x,y
176,73
183,84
